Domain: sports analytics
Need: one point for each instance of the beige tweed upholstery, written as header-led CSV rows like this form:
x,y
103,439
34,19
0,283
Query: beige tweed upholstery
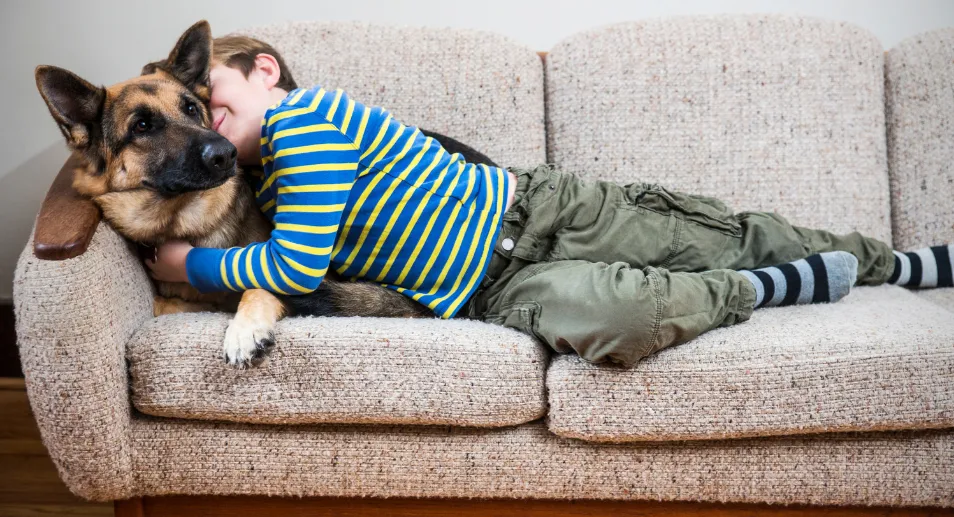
x,y
881,358
897,468
919,88
478,87
764,112
942,297
74,318
354,370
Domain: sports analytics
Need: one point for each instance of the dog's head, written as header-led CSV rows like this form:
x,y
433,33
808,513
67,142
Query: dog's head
x,y
150,151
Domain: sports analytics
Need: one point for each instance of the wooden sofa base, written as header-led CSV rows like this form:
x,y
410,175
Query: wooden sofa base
x,y
241,506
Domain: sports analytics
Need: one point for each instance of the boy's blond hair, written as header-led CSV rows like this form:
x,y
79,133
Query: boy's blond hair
x,y
239,52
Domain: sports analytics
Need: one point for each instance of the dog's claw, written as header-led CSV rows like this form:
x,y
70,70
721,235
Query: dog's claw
x,y
261,351
247,344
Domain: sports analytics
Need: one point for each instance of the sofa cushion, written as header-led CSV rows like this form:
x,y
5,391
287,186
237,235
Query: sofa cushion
x,y
882,358
765,112
481,88
942,297
919,89
356,370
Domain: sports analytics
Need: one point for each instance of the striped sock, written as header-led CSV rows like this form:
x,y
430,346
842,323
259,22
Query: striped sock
x,y
821,278
926,267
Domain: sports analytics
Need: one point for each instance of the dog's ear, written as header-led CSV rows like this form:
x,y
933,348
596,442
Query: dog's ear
x,y
153,67
75,104
190,60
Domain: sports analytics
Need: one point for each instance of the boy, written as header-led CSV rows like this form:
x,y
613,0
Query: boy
x,y
610,272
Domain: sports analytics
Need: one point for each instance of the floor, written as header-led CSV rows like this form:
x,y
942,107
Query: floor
x,y
29,484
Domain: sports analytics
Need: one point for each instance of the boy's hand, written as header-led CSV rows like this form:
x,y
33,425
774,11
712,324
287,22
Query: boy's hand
x,y
170,263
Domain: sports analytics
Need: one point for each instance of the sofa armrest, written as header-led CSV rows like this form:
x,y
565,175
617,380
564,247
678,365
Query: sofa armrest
x,y
73,320
66,221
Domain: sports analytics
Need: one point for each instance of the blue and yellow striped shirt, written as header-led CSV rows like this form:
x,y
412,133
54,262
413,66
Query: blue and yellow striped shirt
x,y
351,188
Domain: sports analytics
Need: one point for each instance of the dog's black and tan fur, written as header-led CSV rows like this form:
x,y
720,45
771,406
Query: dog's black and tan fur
x,y
158,172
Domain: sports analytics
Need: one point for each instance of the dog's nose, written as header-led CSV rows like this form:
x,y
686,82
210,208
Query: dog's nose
x,y
219,157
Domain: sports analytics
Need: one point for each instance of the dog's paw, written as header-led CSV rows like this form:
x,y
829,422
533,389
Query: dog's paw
x,y
247,343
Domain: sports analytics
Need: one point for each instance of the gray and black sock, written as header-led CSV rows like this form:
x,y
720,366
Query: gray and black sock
x,y
821,278
926,267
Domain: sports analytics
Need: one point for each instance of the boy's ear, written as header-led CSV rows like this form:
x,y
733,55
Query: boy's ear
x,y
75,104
190,60
269,65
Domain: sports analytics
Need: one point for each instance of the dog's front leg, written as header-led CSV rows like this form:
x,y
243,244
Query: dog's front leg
x,y
162,305
250,335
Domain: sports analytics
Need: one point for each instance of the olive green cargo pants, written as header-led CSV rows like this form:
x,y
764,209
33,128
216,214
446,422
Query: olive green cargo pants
x,y
620,272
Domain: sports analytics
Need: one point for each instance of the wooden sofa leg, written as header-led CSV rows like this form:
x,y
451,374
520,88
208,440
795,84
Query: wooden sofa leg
x,y
128,508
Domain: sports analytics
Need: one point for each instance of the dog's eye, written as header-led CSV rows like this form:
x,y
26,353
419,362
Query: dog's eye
x,y
141,127
192,110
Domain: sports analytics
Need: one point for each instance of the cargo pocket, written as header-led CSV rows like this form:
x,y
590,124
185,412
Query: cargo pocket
x,y
701,210
521,316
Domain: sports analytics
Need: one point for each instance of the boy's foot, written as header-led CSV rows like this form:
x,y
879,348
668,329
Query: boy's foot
x,y
926,267
821,278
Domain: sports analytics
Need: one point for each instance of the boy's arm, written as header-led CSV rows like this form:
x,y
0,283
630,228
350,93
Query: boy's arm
x,y
315,165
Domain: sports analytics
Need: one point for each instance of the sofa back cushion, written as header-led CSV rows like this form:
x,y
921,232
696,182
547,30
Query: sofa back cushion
x,y
478,87
770,113
919,75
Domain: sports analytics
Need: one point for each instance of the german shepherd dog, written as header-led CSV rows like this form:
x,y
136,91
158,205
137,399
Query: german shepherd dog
x,y
159,172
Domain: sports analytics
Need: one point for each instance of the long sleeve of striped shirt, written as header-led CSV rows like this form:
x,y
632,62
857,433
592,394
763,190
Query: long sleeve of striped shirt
x,y
310,166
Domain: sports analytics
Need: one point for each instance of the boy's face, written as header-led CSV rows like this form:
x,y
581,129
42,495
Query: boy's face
x,y
238,106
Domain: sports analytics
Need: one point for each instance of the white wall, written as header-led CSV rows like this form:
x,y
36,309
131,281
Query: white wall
x,y
108,41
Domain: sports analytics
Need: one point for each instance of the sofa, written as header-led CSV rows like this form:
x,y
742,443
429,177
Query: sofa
x,y
840,405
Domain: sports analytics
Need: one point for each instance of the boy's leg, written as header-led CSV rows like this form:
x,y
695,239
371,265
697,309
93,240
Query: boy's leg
x,y
616,313
649,225
768,237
